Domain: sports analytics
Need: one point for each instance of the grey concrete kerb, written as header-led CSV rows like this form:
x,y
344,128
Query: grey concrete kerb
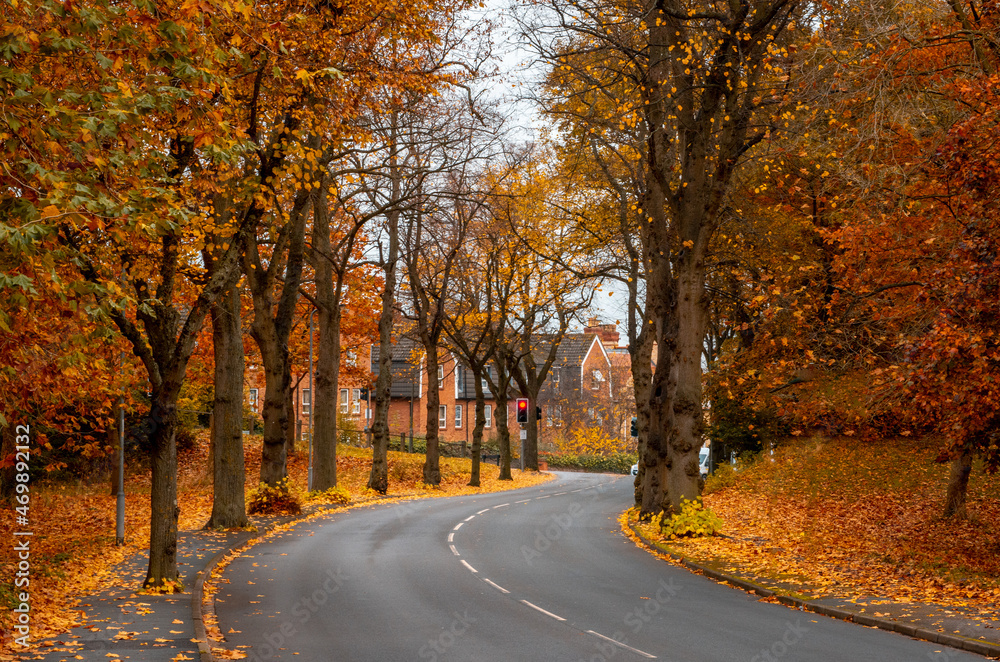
x,y
979,647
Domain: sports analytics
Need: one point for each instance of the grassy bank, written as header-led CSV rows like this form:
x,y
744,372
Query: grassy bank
x,y
849,518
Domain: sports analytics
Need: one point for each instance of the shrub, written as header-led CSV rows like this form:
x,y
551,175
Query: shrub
x,y
280,499
618,463
338,495
724,476
694,520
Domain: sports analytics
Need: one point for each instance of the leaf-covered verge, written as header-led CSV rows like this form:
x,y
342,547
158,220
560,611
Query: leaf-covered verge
x,y
851,519
73,525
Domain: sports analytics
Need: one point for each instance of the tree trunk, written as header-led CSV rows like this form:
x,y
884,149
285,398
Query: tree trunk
x,y
273,465
642,376
378,480
327,380
655,460
685,438
229,475
271,329
163,492
291,396
500,415
477,431
432,463
958,483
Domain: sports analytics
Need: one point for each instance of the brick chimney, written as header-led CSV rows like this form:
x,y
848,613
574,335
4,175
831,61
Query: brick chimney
x,y
608,333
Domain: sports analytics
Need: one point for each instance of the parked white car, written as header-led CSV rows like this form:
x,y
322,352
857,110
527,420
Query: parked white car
x,y
702,464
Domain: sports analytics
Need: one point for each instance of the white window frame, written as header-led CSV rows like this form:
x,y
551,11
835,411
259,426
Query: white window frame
x,y
356,395
487,373
352,358
556,375
254,394
306,401
440,377
488,411
459,410
344,394
442,417
459,380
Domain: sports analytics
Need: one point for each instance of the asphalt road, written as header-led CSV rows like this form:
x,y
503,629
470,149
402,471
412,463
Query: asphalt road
x,y
542,574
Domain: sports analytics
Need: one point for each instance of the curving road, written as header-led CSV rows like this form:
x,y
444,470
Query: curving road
x,y
541,573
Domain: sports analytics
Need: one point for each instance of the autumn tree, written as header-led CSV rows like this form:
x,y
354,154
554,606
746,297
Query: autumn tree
x,y
702,82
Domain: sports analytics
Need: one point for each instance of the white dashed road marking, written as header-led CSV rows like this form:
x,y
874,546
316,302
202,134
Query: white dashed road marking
x,y
620,644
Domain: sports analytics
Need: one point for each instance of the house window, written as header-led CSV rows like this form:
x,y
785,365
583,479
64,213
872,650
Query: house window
x,y
458,417
556,374
352,358
487,375
443,416
343,401
489,416
550,414
356,409
440,377
306,401
557,415
253,399
598,378
459,381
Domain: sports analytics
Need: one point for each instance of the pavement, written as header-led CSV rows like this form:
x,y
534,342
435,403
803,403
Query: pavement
x,y
123,625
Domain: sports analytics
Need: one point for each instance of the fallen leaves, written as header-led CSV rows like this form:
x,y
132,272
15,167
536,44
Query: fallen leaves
x,y
74,549
855,520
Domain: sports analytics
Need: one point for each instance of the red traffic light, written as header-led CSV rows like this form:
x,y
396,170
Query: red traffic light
x,y
522,410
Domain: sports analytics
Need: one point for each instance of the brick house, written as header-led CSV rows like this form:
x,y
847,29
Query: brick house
x,y
578,390
353,409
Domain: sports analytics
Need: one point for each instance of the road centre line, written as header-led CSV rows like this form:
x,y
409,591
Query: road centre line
x,y
525,501
536,607
502,505
458,526
466,564
545,497
469,517
451,537
482,511
496,586
620,644
454,551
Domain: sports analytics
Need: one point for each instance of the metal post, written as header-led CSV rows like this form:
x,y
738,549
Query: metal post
x,y
120,497
312,403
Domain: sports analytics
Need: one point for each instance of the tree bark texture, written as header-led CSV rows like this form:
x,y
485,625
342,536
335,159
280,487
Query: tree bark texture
x,y
164,510
229,472
432,463
477,431
958,483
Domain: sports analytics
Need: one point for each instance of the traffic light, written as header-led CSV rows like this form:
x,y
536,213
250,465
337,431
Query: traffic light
x,y
635,426
538,413
522,410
